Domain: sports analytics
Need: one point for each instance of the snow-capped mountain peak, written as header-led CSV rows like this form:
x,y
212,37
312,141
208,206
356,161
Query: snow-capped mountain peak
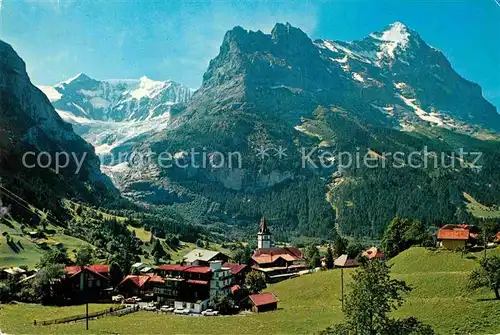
x,y
395,36
79,77
116,100
149,88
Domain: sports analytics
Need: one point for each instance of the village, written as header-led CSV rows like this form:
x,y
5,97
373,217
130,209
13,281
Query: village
x,y
207,283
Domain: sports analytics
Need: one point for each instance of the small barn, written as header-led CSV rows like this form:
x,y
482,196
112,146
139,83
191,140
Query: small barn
x,y
263,302
345,262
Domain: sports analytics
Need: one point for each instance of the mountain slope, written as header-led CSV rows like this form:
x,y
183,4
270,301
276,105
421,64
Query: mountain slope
x,y
29,123
414,75
285,93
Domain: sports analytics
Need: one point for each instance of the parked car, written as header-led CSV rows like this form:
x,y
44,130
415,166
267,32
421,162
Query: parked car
x,y
210,312
167,309
184,311
130,300
117,298
150,307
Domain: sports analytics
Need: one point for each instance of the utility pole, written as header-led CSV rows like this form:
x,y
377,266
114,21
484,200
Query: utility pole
x,y
342,285
87,315
485,241
85,297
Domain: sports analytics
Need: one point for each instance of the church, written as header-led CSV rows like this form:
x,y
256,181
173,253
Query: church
x,y
276,263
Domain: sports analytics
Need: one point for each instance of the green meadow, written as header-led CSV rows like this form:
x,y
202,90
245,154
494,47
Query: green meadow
x,y
308,304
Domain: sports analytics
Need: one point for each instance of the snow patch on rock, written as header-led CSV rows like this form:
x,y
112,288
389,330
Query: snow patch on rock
x,y
429,117
357,77
51,92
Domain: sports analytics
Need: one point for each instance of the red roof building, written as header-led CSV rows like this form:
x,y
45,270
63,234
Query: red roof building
x,y
191,283
86,282
139,285
279,251
454,232
263,302
497,237
278,263
98,270
173,267
267,257
239,272
455,236
198,269
373,253
235,268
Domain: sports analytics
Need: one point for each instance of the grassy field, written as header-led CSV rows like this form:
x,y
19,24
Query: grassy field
x,y
440,297
19,317
479,210
28,250
311,303
303,309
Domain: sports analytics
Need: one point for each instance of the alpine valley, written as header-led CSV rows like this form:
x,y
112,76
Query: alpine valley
x,y
388,92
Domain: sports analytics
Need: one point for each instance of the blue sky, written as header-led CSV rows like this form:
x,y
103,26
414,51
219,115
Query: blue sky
x,y
176,39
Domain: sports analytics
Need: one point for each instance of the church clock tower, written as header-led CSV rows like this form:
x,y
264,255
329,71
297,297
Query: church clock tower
x,y
264,235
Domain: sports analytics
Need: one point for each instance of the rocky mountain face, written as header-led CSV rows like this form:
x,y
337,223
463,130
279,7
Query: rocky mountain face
x,y
29,123
286,94
393,76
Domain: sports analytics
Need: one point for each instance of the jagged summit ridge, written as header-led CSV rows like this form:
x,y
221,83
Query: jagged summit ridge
x,y
393,67
116,99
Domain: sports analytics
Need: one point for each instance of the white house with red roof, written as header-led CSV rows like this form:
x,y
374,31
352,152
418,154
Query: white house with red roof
x,y
453,237
193,286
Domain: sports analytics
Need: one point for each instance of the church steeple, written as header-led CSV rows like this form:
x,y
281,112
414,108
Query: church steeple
x,y
263,229
264,235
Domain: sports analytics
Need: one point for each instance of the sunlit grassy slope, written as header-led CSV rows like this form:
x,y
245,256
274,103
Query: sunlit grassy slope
x,y
312,302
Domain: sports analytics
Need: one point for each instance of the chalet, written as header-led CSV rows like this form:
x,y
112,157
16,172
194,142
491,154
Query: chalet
x,y
238,271
140,285
454,237
276,263
203,257
193,286
263,302
345,262
373,253
12,271
90,282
